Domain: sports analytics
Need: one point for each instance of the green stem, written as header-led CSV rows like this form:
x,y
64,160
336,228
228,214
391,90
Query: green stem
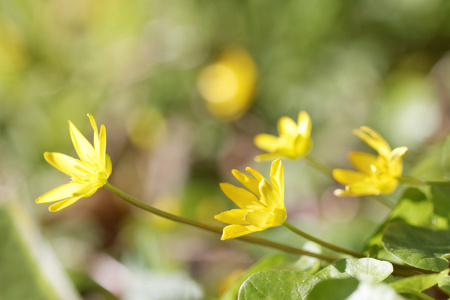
x,y
319,166
384,201
320,242
421,182
412,180
212,228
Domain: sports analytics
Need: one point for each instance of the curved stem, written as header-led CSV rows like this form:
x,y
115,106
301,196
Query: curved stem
x,y
320,242
319,166
212,228
384,201
421,182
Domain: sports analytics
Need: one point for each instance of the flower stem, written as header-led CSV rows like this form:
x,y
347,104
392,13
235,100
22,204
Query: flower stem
x,y
319,166
212,228
421,182
384,201
320,242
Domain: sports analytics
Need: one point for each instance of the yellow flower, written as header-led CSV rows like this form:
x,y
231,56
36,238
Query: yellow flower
x,y
88,173
375,174
228,84
261,205
294,140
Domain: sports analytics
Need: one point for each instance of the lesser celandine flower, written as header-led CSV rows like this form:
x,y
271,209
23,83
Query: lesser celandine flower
x,y
293,142
228,84
88,173
261,205
375,174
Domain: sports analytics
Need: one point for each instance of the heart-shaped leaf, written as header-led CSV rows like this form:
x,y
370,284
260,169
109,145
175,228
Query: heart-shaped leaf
x,y
264,264
418,283
369,270
277,284
413,207
417,246
333,289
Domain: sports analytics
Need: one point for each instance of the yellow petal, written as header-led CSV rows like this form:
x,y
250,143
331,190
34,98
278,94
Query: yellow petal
x,y
348,176
94,126
361,188
259,218
255,174
108,166
62,204
234,231
83,148
66,164
89,189
266,156
62,192
374,140
269,196
302,146
249,182
304,124
241,197
266,142
279,216
362,161
277,177
102,145
287,127
398,153
234,216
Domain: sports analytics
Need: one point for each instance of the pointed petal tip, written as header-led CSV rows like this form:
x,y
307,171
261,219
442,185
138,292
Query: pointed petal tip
x,y
339,192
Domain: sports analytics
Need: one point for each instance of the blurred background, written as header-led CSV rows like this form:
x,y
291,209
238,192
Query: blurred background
x,y
182,87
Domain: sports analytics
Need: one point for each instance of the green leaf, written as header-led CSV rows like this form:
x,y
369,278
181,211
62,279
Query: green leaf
x,y
417,246
333,289
369,270
413,207
445,284
441,199
20,276
418,283
264,264
277,284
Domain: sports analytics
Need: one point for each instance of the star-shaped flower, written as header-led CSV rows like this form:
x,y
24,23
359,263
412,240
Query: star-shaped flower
x,y
375,175
261,205
88,173
293,142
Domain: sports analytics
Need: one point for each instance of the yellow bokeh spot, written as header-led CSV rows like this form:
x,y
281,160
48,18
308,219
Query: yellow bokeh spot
x,y
228,84
146,127
218,83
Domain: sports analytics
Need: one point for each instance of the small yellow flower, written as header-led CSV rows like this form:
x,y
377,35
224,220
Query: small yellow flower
x,y
88,173
294,140
261,205
375,175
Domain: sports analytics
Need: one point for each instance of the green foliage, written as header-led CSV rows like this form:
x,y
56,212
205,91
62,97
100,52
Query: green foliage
x,y
413,208
369,270
441,200
264,264
277,284
333,289
416,284
417,246
20,276
445,284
